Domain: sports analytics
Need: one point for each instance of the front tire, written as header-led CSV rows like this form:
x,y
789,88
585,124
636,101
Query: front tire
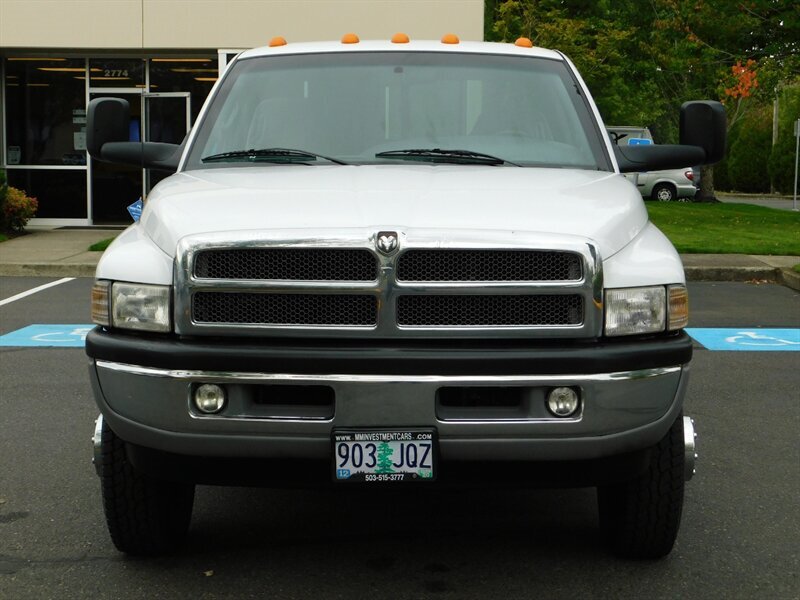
x,y
664,192
640,518
145,516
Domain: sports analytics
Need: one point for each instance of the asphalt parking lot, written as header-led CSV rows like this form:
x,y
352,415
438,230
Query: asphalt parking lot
x,y
739,537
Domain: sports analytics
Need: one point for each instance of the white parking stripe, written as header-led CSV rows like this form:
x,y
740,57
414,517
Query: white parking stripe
x,y
34,290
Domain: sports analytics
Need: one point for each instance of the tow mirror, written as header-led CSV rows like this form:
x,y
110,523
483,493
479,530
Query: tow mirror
x,y
703,132
107,120
703,124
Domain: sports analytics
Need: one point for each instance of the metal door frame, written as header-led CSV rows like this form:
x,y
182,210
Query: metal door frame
x,y
146,122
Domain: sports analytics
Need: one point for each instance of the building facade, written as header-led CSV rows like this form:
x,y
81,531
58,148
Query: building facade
x,y
164,57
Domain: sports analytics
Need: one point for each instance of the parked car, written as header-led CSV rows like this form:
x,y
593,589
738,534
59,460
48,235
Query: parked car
x,y
665,186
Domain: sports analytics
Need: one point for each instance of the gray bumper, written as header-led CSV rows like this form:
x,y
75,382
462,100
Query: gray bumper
x,y
621,412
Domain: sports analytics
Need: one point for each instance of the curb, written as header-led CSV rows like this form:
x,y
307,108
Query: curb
x,y
786,277
790,279
46,270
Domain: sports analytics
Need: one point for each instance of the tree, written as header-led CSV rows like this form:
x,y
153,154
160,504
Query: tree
x,y
643,60
749,154
782,156
384,458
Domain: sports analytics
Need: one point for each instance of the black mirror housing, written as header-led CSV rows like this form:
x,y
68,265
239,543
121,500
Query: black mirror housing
x,y
703,123
635,159
107,120
703,134
148,155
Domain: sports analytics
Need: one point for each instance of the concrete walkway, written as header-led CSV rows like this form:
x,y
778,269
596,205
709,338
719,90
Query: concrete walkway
x,y
53,252
64,253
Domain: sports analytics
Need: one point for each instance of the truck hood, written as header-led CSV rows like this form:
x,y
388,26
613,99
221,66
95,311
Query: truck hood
x,y
599,206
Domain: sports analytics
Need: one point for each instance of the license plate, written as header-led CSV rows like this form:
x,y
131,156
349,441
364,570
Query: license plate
x,y
374,456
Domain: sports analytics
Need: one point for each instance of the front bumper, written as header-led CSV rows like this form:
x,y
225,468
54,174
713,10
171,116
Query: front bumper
x,y
632,392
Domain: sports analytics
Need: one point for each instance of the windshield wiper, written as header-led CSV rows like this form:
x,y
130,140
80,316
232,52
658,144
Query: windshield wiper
x,y
447,156
288,155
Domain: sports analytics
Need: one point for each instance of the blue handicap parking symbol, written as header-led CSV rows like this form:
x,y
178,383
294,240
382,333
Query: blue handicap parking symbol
x,y
66,336
748,340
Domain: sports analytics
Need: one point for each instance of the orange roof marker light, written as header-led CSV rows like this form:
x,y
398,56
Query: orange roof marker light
x,y
450,38
400,38
523,42
277,41
350,38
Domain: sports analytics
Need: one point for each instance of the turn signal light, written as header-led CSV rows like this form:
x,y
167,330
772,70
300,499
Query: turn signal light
x,y
450,38
277,41
100,310
678,307
400,38
523,42
350,38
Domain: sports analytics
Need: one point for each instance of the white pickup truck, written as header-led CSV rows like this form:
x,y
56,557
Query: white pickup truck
x,y
390,264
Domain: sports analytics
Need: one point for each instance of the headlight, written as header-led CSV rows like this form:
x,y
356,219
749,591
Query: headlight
x,y
636,310
131,306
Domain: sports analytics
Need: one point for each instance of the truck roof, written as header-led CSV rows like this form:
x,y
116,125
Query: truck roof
x,y
411,46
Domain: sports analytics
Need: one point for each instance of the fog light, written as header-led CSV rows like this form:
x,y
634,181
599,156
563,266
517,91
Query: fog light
x,y
209,398
563,401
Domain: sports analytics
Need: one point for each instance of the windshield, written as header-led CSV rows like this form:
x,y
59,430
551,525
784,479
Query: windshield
x,y
396,107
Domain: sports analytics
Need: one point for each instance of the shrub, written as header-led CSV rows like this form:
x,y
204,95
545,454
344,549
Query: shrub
x,y
19,207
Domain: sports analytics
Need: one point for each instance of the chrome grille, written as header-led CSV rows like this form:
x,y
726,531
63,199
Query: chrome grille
x,y
336,283
489,265
284,309
485,310
287,264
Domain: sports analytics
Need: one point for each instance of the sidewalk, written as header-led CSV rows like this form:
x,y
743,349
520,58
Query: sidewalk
x,y
53,252
64,253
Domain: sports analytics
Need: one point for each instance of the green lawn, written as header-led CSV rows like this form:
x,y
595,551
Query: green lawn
x,y
101,245
717,228
3,238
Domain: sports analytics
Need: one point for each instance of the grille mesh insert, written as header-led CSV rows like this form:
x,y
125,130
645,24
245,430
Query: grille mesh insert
x,y
284,309
489,265
461,310
292,264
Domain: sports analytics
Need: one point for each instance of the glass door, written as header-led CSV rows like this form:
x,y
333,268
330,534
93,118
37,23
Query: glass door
x,y
167,119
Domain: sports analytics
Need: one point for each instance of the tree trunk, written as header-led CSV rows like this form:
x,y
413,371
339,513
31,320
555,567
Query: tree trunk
x,y
706,191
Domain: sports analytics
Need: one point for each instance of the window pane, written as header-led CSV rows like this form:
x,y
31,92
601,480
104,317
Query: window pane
x,y
116,72
194,75
61,193
46,111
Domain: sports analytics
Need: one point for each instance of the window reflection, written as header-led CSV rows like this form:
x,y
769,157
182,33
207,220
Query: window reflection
x,y
61,193
195,75
45,111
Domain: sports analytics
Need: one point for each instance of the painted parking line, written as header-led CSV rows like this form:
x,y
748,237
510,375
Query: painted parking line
x,y
27,293
747,340
70,335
